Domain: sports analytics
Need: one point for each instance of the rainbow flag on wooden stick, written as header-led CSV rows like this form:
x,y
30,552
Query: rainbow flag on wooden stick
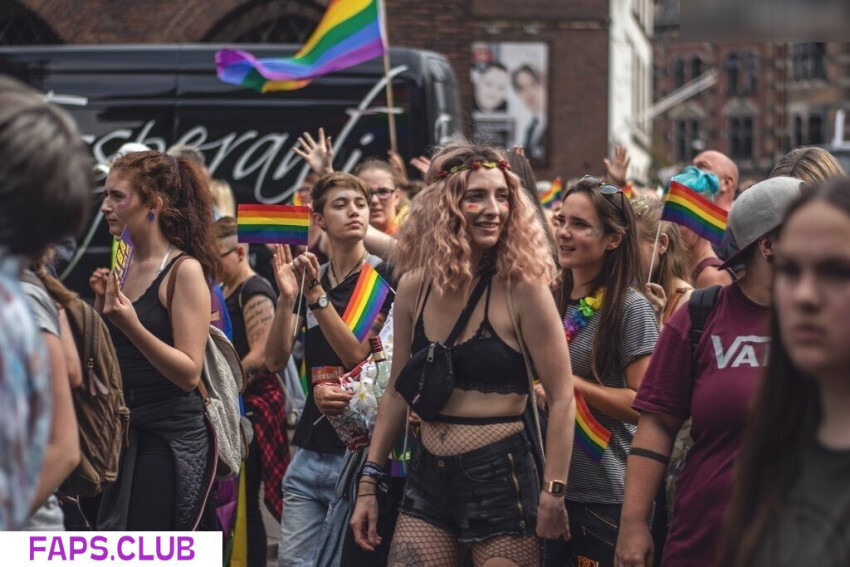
x,y
366,302
350,33
552,194
686,207
273,224
591,435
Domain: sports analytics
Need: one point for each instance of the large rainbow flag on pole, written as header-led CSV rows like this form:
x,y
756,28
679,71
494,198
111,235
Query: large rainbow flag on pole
x,y
366,302
684,206
350,33
273,224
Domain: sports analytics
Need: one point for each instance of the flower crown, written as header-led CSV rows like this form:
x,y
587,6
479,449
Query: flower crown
x,y
475,166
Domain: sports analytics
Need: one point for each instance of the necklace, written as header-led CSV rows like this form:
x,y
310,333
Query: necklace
x,y
581,314
351,271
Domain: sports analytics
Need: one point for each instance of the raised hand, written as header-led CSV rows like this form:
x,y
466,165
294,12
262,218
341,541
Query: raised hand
x,y
421,164
657,298
319,154
284,272
117,307
616,169
98,280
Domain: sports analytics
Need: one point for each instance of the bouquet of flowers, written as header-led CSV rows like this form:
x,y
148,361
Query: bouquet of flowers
x,y
367,382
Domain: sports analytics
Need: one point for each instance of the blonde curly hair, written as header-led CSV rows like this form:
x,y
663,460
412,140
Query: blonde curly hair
x,y
434,239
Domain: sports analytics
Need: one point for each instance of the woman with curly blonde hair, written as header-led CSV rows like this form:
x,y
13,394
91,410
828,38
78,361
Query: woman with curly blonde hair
x,y
472,481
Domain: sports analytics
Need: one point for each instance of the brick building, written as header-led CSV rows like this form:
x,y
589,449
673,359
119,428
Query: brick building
x,y
591,45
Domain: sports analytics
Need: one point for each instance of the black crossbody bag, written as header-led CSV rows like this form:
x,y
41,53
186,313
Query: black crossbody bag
x,y
427,380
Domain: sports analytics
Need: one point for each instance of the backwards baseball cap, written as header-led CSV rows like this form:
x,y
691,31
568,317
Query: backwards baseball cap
x,y
758,210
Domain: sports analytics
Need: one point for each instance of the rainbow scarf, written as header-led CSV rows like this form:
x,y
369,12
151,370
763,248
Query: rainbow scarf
x,y
273,224
350,33
686,207
366,302
552,194
591,436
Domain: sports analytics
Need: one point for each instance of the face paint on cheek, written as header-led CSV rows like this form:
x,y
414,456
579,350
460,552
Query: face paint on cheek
x,y
504,210
471,210
124,204
595,231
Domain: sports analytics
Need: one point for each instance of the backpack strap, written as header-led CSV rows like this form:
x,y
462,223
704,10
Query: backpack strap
x,y
700,305
169,296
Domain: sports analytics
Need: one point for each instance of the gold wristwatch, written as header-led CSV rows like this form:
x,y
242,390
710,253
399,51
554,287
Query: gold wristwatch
x,y
555,487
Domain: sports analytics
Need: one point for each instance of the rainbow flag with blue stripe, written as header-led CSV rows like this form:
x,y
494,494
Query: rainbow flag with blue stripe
x,y
273,224
686,207
349,33
366,302
552,194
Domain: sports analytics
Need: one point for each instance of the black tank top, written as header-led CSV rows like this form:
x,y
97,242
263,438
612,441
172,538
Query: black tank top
x,y
484,362
144,384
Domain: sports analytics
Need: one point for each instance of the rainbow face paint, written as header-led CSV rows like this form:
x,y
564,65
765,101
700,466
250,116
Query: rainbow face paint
x,y
504,210
471,210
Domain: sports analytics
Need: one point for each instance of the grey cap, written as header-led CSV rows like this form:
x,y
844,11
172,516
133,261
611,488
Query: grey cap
x,y
758,210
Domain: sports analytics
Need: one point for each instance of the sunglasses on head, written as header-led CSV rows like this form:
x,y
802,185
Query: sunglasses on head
x,y
608,189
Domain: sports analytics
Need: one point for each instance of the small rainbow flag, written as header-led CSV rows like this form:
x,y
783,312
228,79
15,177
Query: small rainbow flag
x,y
273,224
591,436
350,33
552,194
366,302
684,206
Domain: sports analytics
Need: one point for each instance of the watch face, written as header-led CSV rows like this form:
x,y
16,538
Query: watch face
x,y
323,301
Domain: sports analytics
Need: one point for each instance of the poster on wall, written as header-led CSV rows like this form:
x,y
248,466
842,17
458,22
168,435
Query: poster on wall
x,y
509,90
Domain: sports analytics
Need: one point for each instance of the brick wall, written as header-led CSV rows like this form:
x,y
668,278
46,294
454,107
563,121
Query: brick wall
x,y
576,31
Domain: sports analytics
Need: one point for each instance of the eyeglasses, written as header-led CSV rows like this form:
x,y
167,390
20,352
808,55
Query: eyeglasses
x,y
608,189
231,251
382,193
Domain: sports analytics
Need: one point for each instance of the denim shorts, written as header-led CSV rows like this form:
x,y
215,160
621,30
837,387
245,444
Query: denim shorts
x,y
482,494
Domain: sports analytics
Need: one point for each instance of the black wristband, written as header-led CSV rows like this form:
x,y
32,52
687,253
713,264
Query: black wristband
x,y
655,456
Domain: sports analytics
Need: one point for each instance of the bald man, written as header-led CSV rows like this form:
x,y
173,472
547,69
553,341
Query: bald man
x,y
726,172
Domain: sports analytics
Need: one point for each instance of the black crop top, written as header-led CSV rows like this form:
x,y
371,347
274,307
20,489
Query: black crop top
x,y
484,362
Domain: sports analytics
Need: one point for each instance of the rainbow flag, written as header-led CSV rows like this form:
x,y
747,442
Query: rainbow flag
x,y
350,33
366,302
273,224
684,206
552,194
591,436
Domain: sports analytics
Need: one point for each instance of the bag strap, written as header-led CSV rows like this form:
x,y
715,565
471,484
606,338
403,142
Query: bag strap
x,y
700,305
169,296
470,306
525,358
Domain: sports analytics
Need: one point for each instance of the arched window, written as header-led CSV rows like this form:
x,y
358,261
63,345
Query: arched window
x,y
733,73
751,69
696,67
678,73
267,21
19,26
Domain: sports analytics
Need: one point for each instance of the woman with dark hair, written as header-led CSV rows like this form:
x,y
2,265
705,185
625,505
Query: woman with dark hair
x,y
611,332
165,205
791,503
472,481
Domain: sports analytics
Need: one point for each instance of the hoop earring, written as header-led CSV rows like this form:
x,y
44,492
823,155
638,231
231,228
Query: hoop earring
x,y
151,216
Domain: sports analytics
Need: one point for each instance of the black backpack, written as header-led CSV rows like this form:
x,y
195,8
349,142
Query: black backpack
x,y
699,306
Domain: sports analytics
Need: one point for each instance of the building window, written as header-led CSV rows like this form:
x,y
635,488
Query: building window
x,y
809,61
678,73
741,137
798,132
733,74
685,134
751,68
816,129
696,67
267,21
19,26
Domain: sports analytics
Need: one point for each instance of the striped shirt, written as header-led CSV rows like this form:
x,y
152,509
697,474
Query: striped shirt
x,y
603,482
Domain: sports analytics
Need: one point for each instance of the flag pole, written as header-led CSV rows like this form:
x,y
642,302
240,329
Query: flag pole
x,y
654,249
389,83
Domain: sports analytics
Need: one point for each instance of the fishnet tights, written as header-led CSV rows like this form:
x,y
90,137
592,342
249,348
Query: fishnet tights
x,y
445,439
417,543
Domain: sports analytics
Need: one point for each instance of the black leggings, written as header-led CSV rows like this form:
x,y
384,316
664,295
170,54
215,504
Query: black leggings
x,y
257,550
153,498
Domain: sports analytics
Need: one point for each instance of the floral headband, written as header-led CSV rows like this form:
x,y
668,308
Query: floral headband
x,y
475,166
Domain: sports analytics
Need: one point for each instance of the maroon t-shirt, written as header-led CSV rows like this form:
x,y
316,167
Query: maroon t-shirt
x,y
715,386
